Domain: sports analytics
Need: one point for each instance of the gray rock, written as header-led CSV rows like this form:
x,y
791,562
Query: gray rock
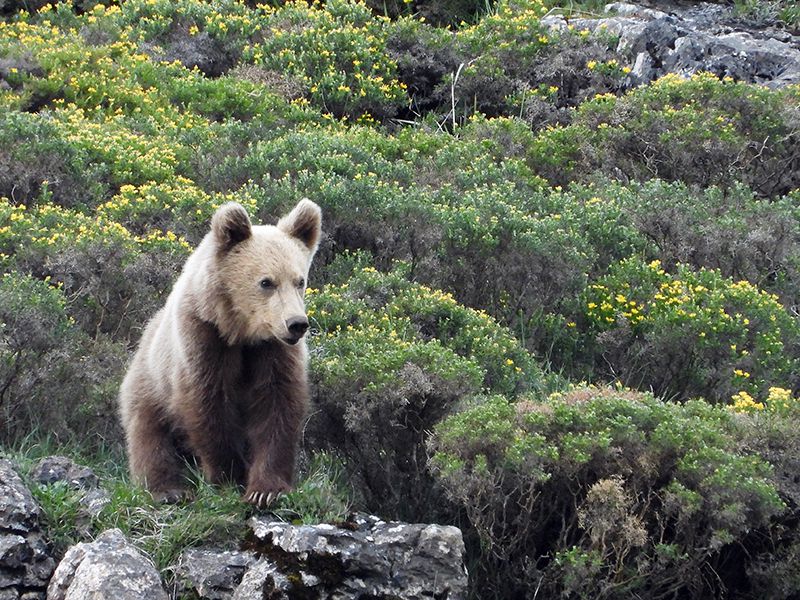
x,y
18,510
60,468
109,567
689,39
25,565
265,580
625,9
212,574
14,551
368,558
94,501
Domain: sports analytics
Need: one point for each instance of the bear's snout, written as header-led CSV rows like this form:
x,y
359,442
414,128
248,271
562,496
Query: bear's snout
x,y
297,327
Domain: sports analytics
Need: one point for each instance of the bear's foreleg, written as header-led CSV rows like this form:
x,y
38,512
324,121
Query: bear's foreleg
x,y
273,446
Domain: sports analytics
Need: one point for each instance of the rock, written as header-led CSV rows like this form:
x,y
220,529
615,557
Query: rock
x,y
55,469
25,564
690,39
625,9
109,567
18,510
366,558
60,468
94,501
212,574
265,580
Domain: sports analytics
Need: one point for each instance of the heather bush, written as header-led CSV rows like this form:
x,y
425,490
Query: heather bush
x,y
115,280
611,493
691,333
514,65
36,161
730,230
53,377
389,359
699,130
336,52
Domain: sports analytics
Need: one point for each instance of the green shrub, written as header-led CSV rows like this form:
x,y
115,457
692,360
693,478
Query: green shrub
x,y
115,280
692,333
390,360
337,52
36,161
698,130
52,376
514,65
731,230
609,493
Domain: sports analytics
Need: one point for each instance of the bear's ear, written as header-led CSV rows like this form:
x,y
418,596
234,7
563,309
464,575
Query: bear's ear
x,y
303,223
230,225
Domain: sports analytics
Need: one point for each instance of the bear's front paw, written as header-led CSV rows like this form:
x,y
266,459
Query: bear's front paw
x,y
265,495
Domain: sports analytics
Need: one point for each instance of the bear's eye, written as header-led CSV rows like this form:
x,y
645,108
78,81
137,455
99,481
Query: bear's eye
x,y
301,283
267,284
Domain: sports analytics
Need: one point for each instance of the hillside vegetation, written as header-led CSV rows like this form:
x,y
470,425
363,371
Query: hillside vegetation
x,y
551,308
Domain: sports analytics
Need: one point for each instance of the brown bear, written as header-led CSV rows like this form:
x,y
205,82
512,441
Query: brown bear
x,y
220,373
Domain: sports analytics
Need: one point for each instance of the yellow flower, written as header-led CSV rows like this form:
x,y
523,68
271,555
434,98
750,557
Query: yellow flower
x,y
744,403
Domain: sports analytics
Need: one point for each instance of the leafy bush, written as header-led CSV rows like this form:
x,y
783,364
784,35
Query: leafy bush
x,y
693,333
52,377
609,492
60,172
116,280
390,360
336,52
698,130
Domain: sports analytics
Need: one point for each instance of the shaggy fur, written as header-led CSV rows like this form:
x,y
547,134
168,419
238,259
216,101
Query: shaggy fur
x,y
220,373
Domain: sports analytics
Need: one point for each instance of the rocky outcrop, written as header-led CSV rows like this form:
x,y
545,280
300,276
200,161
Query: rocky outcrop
x,y
367,558
363,558
25,565
688,39
212,574
109,567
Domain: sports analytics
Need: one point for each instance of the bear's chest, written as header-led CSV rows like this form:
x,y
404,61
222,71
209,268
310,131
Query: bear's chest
x,y
251,370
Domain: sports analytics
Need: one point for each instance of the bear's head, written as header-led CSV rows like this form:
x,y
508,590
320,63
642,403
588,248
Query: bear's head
x,y
261,273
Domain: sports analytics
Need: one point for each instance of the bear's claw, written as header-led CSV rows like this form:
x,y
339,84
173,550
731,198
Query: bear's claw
x,y
262,499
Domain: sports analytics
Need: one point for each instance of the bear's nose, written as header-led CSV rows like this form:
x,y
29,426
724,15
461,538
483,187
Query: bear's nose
x,y
297,326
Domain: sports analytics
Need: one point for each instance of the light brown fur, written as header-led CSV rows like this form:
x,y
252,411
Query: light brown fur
x,y
220,373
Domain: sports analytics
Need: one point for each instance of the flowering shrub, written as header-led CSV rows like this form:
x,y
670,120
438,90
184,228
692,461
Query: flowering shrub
x,y
691,333
52,377
779,401
115,279
337,51
389,359
698,130
391,306
597,490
